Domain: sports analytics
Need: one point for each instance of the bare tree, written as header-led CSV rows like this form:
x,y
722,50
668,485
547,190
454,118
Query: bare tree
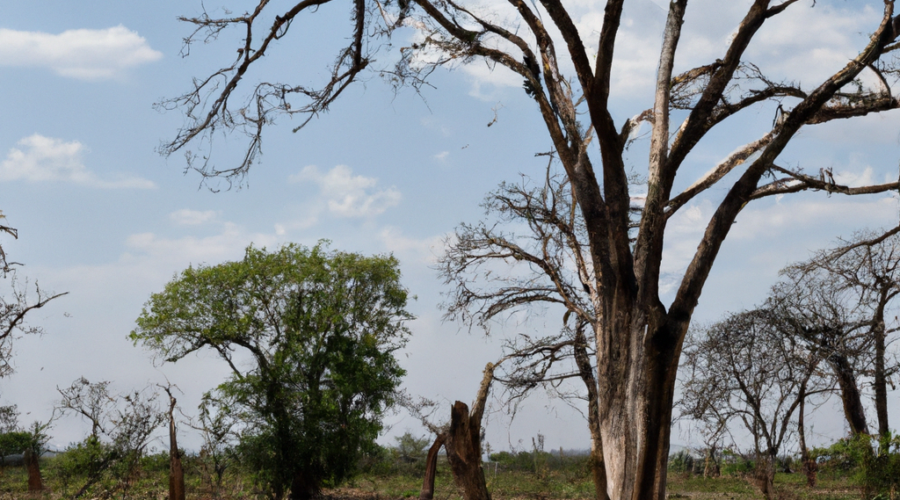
x,y
865,271
14,308
121,427
461,438
494,270
176,470
638,338
744,369
837,302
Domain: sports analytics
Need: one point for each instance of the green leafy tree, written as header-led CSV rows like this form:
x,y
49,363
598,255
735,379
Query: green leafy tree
x,y
321,328
12,443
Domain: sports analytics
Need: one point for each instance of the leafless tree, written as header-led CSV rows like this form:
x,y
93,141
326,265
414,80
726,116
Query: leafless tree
x,y
121,427
176,470
838,303
744,369
91,401
638,338
460,437
4,265
13,308
495,270
865,272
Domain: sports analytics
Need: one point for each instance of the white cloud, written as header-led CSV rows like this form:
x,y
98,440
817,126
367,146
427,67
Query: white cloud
x,y
187,217
41,159
426,250
83,54
442,156
349,195
179,252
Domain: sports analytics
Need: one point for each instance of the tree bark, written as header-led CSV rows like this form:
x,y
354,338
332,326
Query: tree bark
x,y
637,381
711,465
850,396
463,446
809,465
880,382
32,464
303,487
598,468
176,471
431,468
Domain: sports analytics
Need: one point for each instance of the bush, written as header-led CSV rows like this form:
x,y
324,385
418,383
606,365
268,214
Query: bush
x,y
735,464
681,462
873,463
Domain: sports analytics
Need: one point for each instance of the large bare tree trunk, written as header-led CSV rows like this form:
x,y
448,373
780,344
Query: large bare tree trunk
x,y
850,396
463,447
637,381
587,375
463,444
32,464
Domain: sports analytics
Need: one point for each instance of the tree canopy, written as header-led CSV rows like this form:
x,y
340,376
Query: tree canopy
x,y
321,328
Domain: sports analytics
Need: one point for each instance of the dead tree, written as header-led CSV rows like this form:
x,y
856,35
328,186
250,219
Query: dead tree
x,y
32,465
462,441
744,370
13,311
493,270
176,471
638,337
865,269
837,303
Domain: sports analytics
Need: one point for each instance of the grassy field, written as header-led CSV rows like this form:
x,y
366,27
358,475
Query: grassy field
x,y
568,483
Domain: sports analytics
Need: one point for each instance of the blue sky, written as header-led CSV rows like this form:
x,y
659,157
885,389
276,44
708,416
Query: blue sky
x,y
103,216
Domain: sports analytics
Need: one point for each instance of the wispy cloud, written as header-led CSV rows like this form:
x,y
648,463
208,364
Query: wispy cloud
x,y
42,159
349,195
187,217
83,54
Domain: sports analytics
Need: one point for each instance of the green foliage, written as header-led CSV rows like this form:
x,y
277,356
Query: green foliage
x,y
407,456
871,463
158,462
410,448
735,464
681,462
83,462
321,326
12,443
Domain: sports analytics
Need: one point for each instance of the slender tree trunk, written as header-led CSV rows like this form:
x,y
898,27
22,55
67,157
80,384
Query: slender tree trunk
x,y
808,465
711,467
176,471
880,382
431,468
850,396
32,464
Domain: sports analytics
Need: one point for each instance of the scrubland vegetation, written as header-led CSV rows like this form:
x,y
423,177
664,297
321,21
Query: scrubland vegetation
x,y
845,470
